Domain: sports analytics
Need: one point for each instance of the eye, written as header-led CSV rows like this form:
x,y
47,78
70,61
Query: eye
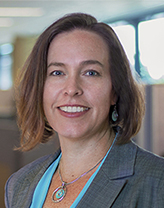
x,y
56,73
92,73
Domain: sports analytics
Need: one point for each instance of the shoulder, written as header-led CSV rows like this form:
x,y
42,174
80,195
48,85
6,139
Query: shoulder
x,y
148,168
149,178
36,166
26,178
148,160
142,164
142,174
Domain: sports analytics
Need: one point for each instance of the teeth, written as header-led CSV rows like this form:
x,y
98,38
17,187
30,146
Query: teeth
x,y
73,109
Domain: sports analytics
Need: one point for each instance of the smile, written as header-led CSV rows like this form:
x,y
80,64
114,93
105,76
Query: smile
x,y
73,109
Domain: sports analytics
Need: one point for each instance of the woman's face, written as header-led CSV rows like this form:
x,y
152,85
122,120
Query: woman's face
x,y
78,89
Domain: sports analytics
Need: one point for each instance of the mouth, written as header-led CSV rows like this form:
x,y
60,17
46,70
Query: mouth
x,y
73,109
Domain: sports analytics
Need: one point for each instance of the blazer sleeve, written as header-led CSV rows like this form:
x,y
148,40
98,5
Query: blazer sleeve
x,y
160,192
8,192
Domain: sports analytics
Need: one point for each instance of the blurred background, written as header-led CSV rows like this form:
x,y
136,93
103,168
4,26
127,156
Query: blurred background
x,y
139,25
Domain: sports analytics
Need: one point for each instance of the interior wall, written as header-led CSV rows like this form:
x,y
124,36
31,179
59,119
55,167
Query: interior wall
x,y
7,104
10,160
151,134
22,48
158,119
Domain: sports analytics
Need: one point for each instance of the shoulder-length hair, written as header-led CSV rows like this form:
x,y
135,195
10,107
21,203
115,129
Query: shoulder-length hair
x,y
29,92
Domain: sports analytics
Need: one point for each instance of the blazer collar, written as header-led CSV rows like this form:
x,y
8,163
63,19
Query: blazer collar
x,y
120,161
113,175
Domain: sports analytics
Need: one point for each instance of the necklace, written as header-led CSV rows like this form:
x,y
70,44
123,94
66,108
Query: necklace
x,y
60,192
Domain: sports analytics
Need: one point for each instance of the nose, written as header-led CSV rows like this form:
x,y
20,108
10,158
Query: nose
x,y
72,87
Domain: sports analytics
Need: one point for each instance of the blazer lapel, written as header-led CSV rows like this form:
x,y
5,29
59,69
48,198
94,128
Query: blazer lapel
x,y
112,177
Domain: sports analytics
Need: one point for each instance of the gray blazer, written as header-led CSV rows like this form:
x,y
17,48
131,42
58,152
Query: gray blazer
x,y
129,178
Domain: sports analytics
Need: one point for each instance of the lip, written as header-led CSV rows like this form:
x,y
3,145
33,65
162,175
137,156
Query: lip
x,y
72,110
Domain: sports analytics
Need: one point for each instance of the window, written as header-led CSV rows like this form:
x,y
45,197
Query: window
x,y
145,38
151,47
6,66
126,35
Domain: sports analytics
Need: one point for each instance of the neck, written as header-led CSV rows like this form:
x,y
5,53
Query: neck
x,y
87,152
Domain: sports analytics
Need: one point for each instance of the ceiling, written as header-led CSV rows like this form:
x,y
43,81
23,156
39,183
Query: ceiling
x,y
106,11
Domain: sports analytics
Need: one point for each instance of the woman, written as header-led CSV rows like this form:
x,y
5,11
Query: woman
x,y
77,82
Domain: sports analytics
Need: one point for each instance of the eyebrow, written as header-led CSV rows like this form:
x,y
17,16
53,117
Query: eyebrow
x,y
82,64
91,62
56,64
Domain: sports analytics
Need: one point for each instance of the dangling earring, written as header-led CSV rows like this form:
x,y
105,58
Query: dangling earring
x,y
114,114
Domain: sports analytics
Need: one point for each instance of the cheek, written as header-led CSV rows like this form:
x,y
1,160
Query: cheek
x,y
102,99
47,95
49,90
104,95
51,95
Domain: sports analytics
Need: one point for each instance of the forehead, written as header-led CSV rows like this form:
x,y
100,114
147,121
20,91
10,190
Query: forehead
x,y
80,41
80,34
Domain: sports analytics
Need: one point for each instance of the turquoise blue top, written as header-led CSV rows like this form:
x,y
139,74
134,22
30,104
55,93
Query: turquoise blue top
x,y
43,185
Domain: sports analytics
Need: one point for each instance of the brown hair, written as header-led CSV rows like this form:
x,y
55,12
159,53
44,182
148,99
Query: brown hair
x,y
29,93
